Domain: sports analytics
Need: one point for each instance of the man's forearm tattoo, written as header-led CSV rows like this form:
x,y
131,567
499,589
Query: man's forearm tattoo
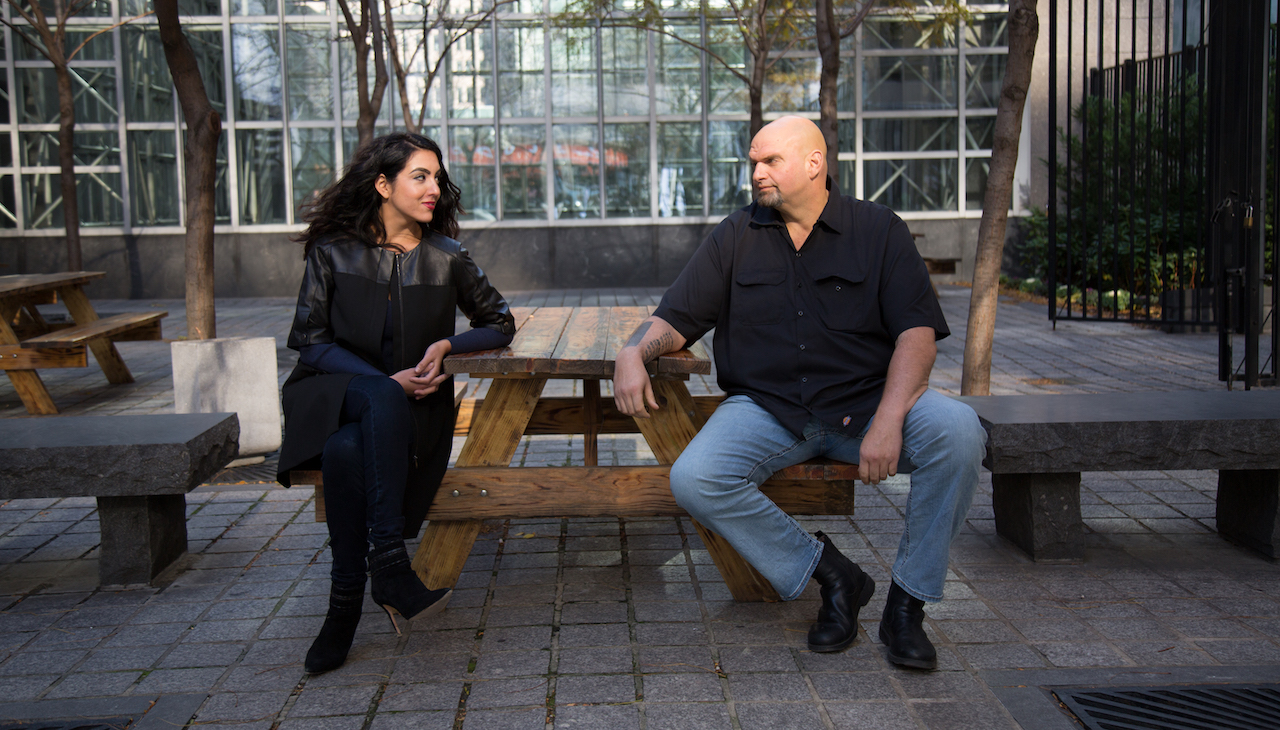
x,y
657,347
638,335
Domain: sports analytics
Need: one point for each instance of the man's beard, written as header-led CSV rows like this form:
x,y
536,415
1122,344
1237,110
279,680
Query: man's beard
x,y
771,199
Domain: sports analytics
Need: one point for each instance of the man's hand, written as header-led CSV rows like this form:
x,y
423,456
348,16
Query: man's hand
x,y
632,390
881,447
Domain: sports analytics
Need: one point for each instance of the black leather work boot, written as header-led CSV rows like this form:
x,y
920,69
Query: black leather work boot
x,y
399,590
902,630
845,589
330,648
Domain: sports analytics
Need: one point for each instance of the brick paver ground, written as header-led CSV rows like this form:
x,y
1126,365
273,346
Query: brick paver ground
x,y
625,623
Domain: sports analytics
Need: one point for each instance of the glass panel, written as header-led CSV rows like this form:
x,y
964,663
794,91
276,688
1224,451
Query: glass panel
x,y
914,31
975,181
185,7
92,148
207,45
8,208
6,150
908,135
577,168
97,197
416,59
350,138
988,29
154,193
792,86
897,82
253,7
848,177
985,75
679,169
471,76
148,86
521,61
573,72
730,171
100,48
909,185
728,92
313,167
471,169
520,6
524,174
4,97
310,82
625,53
255,62
979,133
626,169
306,7
847,132
94,92
678,71
261,172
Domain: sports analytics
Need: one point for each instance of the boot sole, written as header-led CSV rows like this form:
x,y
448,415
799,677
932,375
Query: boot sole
x,y
863,599
905,661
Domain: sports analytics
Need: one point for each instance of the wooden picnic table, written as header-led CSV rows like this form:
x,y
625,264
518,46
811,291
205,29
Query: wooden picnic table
x,y
28,342
581,343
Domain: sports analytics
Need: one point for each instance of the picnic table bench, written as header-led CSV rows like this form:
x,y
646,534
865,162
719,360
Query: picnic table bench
x,y
581,343
1039,445
29,342
139,468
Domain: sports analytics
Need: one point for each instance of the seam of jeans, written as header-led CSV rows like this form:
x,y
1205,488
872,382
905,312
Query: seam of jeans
x,y
921,595
804,581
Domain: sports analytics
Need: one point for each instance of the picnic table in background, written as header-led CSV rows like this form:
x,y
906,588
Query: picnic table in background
x,y
28,342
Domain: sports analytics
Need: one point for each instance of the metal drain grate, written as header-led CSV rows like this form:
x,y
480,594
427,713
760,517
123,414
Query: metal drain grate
x,y
250,474
110,723
1180,707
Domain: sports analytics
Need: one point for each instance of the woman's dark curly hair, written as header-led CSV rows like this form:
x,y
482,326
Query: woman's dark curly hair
x,y
350,205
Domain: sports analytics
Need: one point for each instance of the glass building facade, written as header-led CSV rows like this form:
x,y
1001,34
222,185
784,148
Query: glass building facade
x,y
541,123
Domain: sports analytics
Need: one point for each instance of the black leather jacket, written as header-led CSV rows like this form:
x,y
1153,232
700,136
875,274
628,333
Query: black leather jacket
x,y
343,300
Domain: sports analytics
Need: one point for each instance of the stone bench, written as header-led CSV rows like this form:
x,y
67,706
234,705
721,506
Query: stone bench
x,y
139,468
1039,445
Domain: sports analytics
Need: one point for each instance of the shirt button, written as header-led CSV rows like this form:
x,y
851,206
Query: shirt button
x,y
802,347
804,380
837,287
797,254
801,313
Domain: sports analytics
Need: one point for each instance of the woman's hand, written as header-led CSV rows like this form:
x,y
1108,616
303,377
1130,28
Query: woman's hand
x,y
414,385
428,375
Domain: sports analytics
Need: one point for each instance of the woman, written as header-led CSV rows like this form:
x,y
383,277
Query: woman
x,y
369,398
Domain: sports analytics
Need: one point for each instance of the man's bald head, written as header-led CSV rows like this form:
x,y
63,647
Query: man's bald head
x,y
789,164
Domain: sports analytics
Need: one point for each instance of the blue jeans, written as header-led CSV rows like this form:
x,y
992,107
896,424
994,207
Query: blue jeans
x,y
717,480
365,466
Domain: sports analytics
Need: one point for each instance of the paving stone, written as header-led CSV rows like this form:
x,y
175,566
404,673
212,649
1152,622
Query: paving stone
x,y
593,613
1241,651
757,659
323,701
413,721
1080,654
203,655
1000,656
113,659
767,687
27,687
595,689
610,717
491,693
879,715
520,616
209,631
262,679
241,707
681,634
514,719
688,717
686,687
162,681
415,697
853,686
595,660
493,664
594,635
35,662
962,715
667,611
779,716
334,722
593,592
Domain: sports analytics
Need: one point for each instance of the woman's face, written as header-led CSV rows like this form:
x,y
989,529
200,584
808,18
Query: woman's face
x,y
415,191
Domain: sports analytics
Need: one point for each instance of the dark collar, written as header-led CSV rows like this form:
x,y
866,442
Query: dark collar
x,y
834,216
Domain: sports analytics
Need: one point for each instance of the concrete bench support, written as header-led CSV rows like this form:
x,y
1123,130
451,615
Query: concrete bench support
x,y
139,468
1249,508
1040,513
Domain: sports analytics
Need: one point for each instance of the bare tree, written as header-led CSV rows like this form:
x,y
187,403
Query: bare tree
x,y
1024,29
449,28
369,101
50,41
767,29
204,127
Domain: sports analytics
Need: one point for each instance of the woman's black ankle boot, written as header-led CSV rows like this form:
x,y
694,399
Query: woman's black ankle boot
x,y
398,589
330,648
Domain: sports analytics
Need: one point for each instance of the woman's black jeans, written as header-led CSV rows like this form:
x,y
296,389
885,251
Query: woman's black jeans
x,y
365,466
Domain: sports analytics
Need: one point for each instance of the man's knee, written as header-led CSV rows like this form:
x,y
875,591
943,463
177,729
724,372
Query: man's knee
x,y
953,427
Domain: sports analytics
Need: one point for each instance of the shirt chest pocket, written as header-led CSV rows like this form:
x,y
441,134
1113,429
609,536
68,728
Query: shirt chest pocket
x,y
847,305
759,296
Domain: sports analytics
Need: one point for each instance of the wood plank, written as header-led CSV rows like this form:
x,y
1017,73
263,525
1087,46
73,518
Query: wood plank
x,y
17,285
494,492
532,347
669,429
16,357
591,413
104,351
581,349
444,550
26,383
560,416
115,327
623,321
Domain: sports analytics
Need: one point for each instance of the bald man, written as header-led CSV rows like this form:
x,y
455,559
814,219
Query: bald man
x,y
825,329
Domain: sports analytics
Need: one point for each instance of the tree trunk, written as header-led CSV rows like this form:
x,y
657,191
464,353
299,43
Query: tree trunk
x,y
755,91
1024,28
204,127
67,161
369,101
828,37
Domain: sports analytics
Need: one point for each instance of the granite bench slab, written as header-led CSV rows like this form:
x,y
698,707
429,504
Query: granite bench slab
x,y
139,468
1038,445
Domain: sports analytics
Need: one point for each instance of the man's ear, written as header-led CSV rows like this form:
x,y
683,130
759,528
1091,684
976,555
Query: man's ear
x,y
383,186
815,164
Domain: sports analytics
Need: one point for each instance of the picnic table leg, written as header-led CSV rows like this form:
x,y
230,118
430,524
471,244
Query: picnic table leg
x,y
668,431
495,434
591,417
27,383
104,350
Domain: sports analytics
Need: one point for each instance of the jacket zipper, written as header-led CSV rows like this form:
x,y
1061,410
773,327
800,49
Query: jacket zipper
x,y
395,274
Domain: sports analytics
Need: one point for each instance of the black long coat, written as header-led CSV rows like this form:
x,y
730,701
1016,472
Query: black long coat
x,y
343,300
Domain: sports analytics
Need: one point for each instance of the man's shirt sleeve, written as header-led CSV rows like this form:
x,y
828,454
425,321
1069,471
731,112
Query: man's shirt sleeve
x,y
692,305
906,294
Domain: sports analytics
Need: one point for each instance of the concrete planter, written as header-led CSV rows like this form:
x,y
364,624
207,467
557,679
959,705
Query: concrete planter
x,y
232,375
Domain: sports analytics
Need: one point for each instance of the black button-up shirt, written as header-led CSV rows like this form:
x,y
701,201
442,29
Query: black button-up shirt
x,y
806,332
